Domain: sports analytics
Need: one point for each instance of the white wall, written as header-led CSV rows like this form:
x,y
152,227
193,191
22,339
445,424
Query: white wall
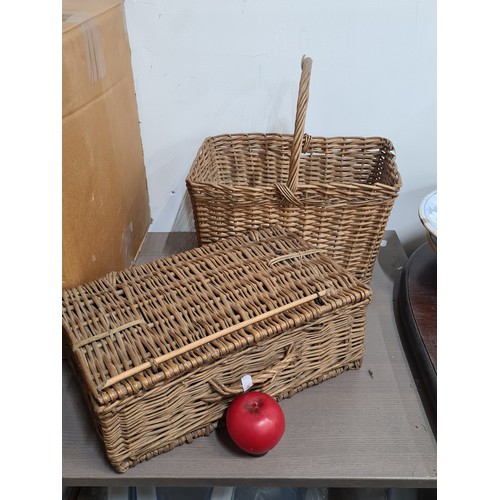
x,y
205,67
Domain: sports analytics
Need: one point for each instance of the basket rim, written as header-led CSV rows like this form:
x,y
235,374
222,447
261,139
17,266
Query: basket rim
x,y
314,186
289,135
194,178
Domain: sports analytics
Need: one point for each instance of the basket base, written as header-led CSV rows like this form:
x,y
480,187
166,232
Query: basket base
x,y
122,467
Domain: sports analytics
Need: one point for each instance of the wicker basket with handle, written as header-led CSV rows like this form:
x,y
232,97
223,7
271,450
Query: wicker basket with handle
x,y
160,349
337,193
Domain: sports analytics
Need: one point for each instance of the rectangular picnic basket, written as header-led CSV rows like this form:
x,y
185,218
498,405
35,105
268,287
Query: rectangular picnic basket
x,y
337,193
160,349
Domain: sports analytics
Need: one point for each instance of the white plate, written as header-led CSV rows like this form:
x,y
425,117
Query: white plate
x,y
427,212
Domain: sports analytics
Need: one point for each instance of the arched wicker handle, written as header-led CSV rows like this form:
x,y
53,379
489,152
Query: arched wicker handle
x,y
300,120
258,379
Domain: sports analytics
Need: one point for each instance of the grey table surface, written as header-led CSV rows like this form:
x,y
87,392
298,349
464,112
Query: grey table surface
x,y
364,428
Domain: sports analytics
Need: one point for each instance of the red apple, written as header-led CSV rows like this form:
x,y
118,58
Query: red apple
x,y
255,422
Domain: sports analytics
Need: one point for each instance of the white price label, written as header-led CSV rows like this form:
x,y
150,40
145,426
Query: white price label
x,y
246,382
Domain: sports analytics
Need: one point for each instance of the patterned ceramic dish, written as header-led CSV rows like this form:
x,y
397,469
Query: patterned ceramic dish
x,y
427,212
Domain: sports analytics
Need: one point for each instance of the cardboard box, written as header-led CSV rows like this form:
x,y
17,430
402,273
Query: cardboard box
x,y
105,202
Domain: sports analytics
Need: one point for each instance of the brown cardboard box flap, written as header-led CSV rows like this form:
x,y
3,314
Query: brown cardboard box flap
x,y
96,52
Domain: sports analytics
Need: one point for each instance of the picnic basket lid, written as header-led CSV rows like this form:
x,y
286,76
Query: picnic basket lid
x,y
133,329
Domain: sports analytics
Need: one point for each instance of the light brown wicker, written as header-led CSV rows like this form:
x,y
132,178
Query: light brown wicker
x,y
337,193
160,349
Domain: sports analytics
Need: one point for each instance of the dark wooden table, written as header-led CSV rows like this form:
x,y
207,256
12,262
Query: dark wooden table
x,y
366,428
418,312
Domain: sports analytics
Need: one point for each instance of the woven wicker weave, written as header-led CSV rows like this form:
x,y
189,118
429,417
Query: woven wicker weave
x,y
337,193
160,349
